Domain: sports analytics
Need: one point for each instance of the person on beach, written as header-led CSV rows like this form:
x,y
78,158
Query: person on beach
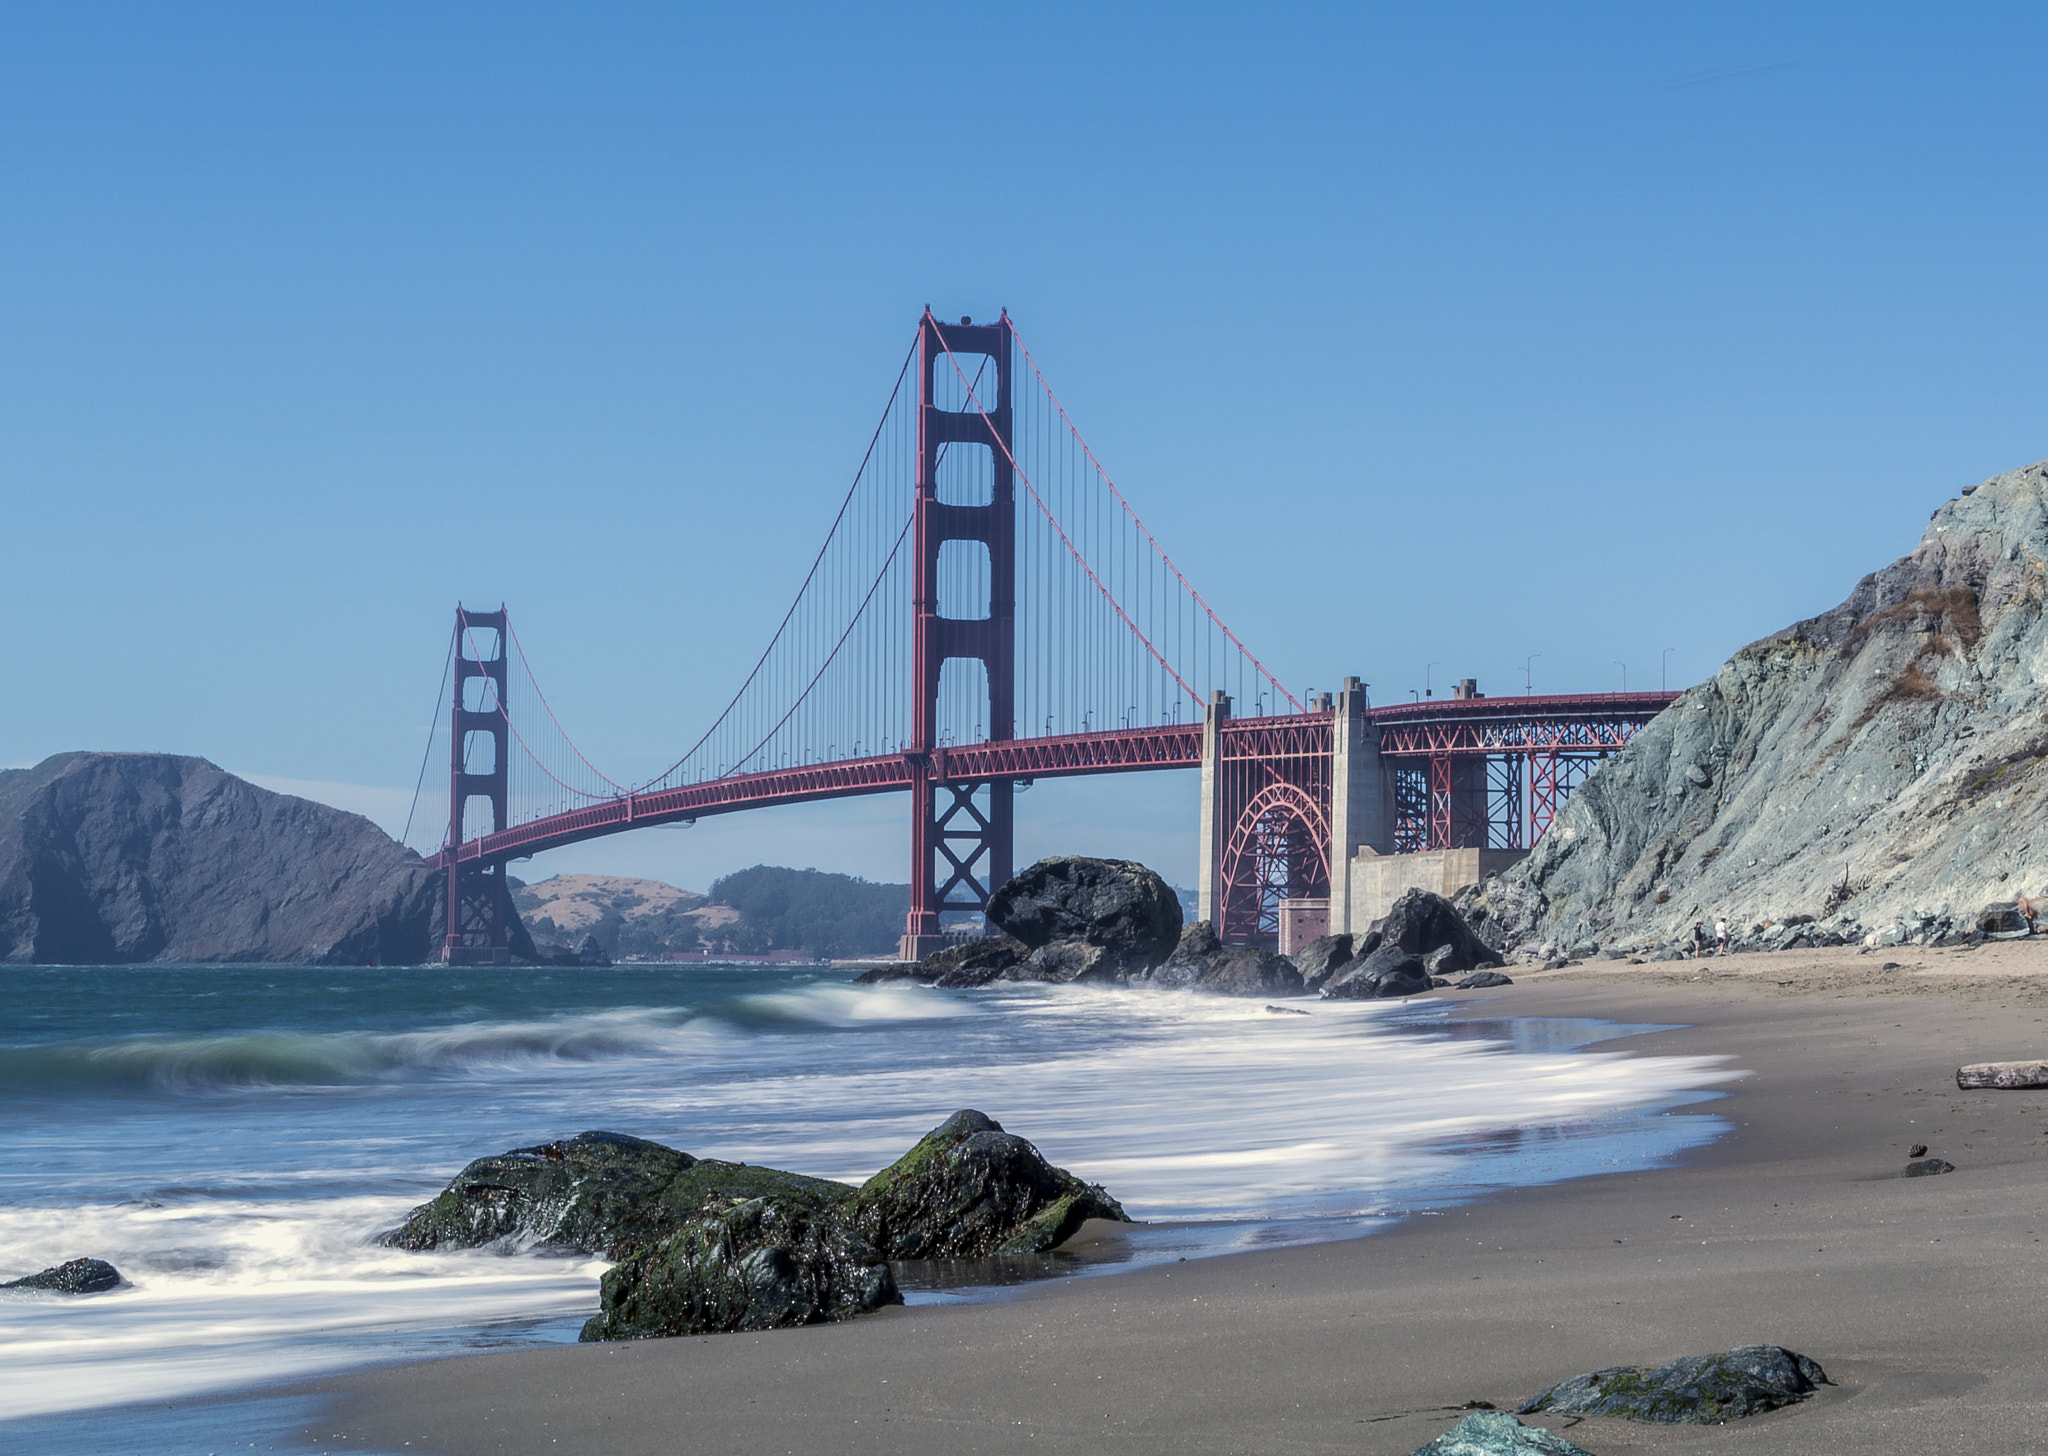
x,y
2027,909
1721,937
1699,940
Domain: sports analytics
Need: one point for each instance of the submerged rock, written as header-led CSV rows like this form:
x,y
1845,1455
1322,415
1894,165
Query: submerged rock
x,y
73,1276
1698,1389
1496,1433
1117,905
760,1264
597,1193
968,1190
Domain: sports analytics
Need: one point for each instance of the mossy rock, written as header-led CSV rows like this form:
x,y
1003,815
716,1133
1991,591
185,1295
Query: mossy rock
x,y
1695,1390
969,1190
758,1264
599,1193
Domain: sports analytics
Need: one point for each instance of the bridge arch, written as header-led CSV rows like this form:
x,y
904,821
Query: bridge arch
x,y
1278,849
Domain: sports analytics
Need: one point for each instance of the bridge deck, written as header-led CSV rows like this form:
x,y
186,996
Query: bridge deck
x,y
1582,722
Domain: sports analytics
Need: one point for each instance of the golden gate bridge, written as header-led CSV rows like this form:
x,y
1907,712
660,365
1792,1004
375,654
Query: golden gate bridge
x,y
987,610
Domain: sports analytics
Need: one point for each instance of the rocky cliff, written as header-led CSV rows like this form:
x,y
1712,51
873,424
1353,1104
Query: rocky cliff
x,y
120,857
1881,768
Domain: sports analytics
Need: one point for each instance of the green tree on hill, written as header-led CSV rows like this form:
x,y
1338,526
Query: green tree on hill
x,y
813,911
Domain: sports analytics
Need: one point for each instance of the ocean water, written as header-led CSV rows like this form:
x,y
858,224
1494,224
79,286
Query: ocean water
x,y
231,1137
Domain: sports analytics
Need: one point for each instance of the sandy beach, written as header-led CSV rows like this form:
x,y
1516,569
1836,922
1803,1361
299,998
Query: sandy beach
x,y
1921,1297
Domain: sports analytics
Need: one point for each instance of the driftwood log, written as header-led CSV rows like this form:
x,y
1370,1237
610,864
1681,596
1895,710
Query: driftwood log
x,y
2003,1074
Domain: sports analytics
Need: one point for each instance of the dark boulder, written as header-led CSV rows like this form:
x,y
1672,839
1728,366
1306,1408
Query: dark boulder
x,y
1421,926
2004,921
1388,971
968,1190
970,963
1201,962
759,1264
1116,904
1319,959
1193,950
1250,972
1483,980
1496,1433
597,1193
1069,960
73,1276
1698,1389
1928,1168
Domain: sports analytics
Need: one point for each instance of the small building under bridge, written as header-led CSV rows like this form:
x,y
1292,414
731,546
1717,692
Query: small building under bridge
x,y
1313,823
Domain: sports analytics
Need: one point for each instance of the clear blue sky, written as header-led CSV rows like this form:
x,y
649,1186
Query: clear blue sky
x,y
1427,333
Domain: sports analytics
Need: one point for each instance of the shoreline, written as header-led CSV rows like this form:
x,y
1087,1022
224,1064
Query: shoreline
x,y
1917,1295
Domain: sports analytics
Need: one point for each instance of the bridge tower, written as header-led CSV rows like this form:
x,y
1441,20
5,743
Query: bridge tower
x,y
479,903
962,832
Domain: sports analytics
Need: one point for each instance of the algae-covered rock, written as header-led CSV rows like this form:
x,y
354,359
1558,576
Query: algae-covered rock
x,y
73,1276
758,1264
968,1190
596,1193
1496,1433
1696,1390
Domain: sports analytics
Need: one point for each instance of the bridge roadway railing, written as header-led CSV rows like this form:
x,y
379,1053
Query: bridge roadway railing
x,y
1113,750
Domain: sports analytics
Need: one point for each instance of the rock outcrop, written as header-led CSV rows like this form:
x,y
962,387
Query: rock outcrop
x,y
1419,941
600,1193
112,858
1696,1390
73,1276
1114,906
759,1264
968,1190
1878,770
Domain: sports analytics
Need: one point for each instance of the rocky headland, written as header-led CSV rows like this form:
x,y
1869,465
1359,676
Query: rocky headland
x,y
111,858
1875,774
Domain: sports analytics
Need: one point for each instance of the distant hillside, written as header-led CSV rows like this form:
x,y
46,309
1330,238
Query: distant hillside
x,y
750,912
112,858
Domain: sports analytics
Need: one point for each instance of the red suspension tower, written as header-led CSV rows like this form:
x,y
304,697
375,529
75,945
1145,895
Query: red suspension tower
x,y
961,831
479,904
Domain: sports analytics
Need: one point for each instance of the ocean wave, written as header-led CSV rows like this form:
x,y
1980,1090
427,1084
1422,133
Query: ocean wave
x,y
287,1058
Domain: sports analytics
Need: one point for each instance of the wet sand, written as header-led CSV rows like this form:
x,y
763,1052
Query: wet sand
x,y
1922,1297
